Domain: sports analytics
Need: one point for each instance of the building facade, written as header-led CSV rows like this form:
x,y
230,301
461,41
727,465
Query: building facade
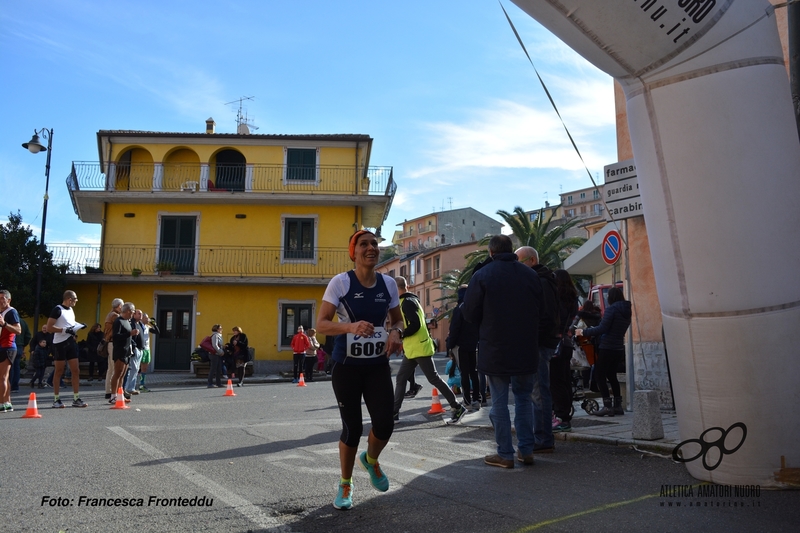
x,y
424,271
445,227
234,229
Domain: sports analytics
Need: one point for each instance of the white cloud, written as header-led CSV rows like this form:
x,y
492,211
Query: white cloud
x,y
513,135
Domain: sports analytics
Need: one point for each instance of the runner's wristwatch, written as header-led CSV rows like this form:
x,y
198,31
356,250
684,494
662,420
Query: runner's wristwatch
x,y
398,330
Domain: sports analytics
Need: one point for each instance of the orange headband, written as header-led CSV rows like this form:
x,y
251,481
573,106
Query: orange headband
x,y
354,240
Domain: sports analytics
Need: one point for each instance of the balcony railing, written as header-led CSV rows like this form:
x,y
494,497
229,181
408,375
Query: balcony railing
x,y
234,261
255,178
428,228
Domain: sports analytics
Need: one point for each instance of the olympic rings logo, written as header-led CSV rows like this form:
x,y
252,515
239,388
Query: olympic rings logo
x,y
706,446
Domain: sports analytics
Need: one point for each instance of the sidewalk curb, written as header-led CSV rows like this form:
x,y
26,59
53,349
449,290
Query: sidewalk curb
x,y
653,446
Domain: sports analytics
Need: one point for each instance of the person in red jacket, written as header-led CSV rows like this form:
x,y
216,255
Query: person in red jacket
x,y
300,344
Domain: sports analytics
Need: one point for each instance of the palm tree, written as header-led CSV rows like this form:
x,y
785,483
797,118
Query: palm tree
x,y
448,286
539,234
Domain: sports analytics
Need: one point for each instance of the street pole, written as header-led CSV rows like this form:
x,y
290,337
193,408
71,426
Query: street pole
x,y
35,147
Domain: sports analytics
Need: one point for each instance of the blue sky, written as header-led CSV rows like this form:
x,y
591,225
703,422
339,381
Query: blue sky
x,y
442,86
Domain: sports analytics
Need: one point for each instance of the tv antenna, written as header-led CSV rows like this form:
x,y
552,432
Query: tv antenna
x,y
243,123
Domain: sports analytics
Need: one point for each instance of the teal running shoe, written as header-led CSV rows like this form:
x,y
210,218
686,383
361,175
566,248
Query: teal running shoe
x,y
344,499
376,476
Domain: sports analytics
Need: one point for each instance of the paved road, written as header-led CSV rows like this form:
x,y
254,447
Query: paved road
x,y
268,460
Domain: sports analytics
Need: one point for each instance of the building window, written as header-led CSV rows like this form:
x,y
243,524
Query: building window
x,y
427,297
301,164
298,238
473,223
419,267
583,210
403,271
294,315
391,274
597,208
412,272
436,261
428,271
570,213
442,239
583,196
595,194
569,200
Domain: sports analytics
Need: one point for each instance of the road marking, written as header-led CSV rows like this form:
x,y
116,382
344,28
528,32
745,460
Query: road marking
x,y
606,507
250,511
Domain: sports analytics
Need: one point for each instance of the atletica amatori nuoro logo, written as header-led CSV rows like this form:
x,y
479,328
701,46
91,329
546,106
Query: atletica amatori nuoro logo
x,y
707,447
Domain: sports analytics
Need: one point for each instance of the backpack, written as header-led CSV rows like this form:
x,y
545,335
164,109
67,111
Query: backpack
x,y
101,348
207,346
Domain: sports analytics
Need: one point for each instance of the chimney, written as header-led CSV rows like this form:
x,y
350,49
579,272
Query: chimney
x,y
210,125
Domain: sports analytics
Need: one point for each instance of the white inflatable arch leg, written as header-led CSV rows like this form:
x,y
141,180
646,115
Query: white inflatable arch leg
x,y
718,159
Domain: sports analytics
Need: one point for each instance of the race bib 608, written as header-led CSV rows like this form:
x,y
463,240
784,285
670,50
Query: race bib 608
x,y
366,347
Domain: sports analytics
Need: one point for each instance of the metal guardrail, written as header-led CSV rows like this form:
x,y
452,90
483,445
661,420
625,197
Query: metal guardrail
x,y
201,260
257,178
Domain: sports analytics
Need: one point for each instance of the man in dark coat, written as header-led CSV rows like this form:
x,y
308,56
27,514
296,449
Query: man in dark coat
x,y
503,296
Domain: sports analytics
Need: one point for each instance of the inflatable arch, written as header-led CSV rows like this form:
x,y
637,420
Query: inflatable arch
x,y
716,146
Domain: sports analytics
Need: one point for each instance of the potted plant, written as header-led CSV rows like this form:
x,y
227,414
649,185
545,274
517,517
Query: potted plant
x,y
136,272
165,268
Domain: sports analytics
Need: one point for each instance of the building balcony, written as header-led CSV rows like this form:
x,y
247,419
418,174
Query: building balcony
x,y
262,264
428,229
92,184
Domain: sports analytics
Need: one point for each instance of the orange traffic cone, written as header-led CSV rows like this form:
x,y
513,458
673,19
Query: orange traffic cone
x,y
120,403
302,382
436,404
33,411
229,390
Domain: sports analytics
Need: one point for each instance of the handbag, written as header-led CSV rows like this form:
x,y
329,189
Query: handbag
x,y
579,359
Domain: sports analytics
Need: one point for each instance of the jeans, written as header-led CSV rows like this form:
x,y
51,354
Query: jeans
x,y
407,367
310,362
215,369
298,364
606,369
133,371
521,387
543,401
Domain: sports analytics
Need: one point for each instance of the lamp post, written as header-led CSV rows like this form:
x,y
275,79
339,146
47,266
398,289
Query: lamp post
x,y
34,147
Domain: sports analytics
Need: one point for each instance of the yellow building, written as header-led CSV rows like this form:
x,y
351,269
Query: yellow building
x,y
234,229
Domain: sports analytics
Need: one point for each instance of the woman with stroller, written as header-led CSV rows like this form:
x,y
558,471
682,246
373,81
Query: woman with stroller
x,y
611,351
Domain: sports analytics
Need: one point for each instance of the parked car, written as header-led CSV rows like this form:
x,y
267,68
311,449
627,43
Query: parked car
x,y
597,291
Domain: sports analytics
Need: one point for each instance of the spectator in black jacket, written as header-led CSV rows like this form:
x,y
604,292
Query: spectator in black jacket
x,y
502,295
549,336
560,371
463,337
611,352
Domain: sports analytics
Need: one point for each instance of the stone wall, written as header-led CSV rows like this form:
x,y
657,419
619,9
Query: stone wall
x,y
650,371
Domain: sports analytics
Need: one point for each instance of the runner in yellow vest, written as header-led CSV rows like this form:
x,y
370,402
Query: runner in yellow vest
x,y
419,350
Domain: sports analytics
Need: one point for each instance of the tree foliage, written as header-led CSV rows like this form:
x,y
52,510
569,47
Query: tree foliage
x,y
19,265
547,239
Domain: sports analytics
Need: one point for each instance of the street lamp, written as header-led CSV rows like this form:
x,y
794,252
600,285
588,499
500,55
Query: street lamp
x,y
34,147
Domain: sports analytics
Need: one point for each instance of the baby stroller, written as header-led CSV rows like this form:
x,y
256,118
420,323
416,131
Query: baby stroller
x,y
582,366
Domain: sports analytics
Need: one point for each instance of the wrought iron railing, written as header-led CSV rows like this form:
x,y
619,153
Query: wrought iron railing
x,y
149,260
256,178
